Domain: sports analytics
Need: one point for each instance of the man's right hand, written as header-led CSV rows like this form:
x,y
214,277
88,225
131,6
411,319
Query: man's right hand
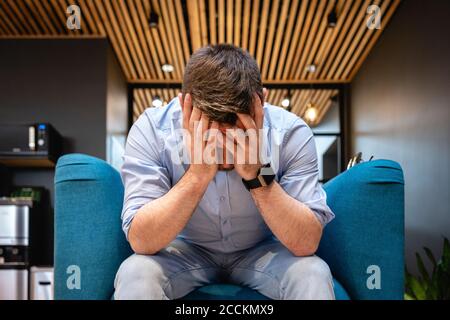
x,y
197,123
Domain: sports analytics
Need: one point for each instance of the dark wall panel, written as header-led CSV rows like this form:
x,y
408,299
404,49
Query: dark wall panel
x,y
63,82
401,111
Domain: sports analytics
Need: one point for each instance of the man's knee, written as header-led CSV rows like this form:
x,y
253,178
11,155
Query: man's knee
x,y
309,278
140,277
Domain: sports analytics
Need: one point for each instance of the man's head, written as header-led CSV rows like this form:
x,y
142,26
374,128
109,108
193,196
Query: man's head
x,y
222,80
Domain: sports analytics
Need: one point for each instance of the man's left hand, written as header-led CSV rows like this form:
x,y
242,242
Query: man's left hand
x,y
249,146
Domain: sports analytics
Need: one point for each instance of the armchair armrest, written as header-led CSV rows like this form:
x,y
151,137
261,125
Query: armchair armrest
x,y
88,234
368,231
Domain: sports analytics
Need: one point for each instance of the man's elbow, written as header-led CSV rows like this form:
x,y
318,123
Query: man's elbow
x,y
305,250
139,248
138,245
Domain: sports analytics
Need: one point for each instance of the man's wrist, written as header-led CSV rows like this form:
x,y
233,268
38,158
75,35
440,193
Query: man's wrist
x,y
198,177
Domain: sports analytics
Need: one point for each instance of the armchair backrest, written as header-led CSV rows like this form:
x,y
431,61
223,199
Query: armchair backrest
x,y
364,244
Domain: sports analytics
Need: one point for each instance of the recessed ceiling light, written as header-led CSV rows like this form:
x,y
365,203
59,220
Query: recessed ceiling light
x,y
168,68
332,18
311,68
285,102
157,102
311,113
153,19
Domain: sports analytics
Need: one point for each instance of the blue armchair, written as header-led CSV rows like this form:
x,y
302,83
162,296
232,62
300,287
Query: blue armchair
x,y
363,245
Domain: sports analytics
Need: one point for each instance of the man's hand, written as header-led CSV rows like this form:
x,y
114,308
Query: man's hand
x,y
248,147
197,124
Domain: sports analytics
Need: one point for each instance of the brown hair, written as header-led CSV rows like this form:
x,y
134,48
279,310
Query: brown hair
x,y
222,80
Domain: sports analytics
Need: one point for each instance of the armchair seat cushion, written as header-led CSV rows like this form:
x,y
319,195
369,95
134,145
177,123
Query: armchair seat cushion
x,y
233,292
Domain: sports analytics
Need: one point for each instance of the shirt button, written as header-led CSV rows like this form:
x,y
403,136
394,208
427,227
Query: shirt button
x,y
222,198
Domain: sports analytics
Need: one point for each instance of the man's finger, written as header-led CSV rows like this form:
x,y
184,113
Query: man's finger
x,y
259,111
195,117
205,122
186,106
247,121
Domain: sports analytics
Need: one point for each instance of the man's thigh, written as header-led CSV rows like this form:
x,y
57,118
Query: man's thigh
x,y
275,272
170,274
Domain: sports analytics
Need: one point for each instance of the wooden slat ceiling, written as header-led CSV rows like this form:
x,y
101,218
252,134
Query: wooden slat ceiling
x,y
321,99
284,36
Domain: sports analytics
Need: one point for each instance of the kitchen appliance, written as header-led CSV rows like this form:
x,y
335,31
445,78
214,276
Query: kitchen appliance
x,y
41,283
25,240
20,143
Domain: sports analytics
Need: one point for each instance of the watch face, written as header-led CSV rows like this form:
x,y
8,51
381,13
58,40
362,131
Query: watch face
x,y
266,171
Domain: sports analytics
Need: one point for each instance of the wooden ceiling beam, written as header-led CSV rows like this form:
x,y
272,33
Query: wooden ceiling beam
x,y
325,50
168,45
116,39
11,17
262,31
237,23
168,11
194,24
254,27
319,39
229,21
358,41
182,29
309,41
362,57
349,36
155,49
273,59
274,19
245,25
154,69
301,30
212,21
131,38
7,22
203,24
221,20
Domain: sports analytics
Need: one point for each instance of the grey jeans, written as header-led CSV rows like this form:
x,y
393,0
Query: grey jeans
x,y
181,267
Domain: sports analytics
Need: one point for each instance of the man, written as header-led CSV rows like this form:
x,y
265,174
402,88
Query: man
x,y
254,223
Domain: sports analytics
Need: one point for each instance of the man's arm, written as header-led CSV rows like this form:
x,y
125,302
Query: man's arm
x,y
158,222
292,222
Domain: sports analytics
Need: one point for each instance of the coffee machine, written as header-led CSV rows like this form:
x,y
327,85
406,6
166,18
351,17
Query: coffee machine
x,y
25,241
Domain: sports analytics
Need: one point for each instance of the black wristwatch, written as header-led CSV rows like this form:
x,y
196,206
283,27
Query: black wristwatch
x,y
264,178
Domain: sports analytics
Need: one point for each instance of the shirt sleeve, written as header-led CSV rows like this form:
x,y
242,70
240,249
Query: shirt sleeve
x,y
143,174
300,171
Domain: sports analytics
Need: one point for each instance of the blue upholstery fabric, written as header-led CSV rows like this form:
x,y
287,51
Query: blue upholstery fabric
x,y
368,201
368,229
232,292
88,233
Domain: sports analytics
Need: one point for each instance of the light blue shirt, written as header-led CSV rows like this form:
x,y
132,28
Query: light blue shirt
x,y
226,219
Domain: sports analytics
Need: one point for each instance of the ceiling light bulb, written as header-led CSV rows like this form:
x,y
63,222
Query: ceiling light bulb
x,y
311,113
157,102
285,102
167,68
311,68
